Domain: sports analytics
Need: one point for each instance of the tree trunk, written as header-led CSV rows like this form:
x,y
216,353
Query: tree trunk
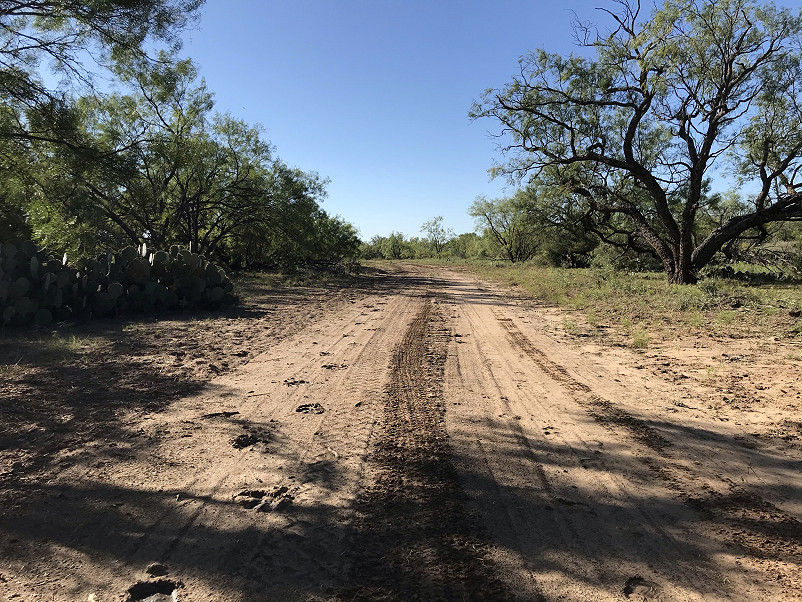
x,y
682,275
683,271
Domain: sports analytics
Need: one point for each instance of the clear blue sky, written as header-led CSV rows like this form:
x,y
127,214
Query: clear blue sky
x,y
374,94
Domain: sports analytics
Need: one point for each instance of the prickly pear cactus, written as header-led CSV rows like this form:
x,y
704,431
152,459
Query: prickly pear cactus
x,y
38,289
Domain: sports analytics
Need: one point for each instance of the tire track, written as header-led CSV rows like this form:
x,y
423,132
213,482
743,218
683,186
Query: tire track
x,y
414,536
554,524
748,521
601,409
301,549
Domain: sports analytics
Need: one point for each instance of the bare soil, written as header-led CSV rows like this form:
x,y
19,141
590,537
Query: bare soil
x,y
412,434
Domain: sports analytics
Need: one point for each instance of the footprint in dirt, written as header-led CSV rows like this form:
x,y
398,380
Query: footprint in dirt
x,y
310,408
162,590
265,501
645,589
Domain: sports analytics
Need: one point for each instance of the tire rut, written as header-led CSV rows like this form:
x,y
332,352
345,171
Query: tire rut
x,y
537,516
415,538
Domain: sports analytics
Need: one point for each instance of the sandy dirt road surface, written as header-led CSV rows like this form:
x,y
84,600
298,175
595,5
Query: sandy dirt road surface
x,y
417,436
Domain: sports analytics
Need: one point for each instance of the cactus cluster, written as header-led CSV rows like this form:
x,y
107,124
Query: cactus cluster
x,y
38,288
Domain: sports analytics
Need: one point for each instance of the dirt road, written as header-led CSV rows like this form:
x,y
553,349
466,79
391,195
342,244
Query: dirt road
x,y
422,437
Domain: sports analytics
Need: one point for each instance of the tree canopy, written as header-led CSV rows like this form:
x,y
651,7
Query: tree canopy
x,y
60,36
640,132
512,223
436,234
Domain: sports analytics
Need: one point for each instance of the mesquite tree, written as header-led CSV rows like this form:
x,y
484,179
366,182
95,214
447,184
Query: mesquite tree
x,y
639,131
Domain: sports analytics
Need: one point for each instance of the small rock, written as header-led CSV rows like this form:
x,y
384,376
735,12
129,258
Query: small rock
x,y
157,569
274,505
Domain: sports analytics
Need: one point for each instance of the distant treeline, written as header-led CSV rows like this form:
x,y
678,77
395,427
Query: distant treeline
x,y
530,226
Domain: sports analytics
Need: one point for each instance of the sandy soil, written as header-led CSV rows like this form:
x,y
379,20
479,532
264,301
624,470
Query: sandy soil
x,y
416,435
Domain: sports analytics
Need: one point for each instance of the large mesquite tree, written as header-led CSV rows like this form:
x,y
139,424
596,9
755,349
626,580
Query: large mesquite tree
x,y
637,132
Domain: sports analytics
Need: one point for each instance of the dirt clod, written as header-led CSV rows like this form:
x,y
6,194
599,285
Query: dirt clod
x,y
245,440
157,569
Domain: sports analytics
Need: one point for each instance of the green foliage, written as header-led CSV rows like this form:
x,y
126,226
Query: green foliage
x,y
372,249
512,223
395,247
335,242
37,288
534,222
63,35
167,170
152,162
469,246
436,235
632,134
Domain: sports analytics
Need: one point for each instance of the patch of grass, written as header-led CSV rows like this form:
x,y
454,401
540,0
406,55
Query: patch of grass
x,y
570,326
133,328
726,317
11,368
694,318
23,349
710,373
716,306
640,338
67,343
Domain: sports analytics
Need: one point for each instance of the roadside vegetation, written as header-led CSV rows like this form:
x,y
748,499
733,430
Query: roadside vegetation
x,y
145,159
624,298
140,183
635,132
642,308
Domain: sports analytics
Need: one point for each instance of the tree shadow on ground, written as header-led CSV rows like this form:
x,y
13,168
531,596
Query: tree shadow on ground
x,y
401,544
